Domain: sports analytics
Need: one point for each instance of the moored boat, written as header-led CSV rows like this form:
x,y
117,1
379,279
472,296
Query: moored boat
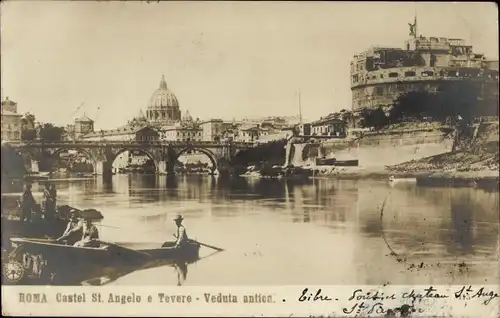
x,y
393,179
335,162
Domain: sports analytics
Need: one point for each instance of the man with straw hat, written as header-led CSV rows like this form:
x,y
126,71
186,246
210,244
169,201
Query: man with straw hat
x,y
182,237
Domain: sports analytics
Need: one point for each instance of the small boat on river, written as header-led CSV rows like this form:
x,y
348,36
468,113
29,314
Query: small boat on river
x,y
45,259
393,179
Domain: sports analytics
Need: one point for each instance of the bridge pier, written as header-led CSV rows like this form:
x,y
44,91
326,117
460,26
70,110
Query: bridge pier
x,y
161,167
104,168
34,166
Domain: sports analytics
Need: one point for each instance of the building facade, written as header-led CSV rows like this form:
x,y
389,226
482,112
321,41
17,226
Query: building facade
x,y
11,121
329,127
181,132
214,129
304,129
380,74
250,133
82,126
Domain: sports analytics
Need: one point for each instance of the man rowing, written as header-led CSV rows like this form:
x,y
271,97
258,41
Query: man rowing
x,y
74,228
182,238
90,237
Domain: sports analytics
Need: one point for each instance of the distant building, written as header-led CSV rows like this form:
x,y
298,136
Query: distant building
x,y
137,134
214,129
276,122
285,133
179,132
304,129
380,74
82,126
27,122
250,133
11,121
329,127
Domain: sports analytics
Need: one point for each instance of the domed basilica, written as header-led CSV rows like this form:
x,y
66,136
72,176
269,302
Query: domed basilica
x,y
163,107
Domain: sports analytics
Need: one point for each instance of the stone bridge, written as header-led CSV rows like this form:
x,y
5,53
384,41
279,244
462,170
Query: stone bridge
x,y
164,154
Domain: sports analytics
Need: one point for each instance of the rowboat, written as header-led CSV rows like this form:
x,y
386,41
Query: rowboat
x,y
42,260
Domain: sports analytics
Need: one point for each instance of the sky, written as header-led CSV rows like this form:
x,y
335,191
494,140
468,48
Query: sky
x,y
221,59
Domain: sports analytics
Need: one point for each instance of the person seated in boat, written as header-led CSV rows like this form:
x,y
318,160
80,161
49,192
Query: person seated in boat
x,y
73,230
182,237
90,237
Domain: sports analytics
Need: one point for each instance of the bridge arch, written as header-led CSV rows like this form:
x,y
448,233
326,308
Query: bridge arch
x,y
150,155
86,152
211,156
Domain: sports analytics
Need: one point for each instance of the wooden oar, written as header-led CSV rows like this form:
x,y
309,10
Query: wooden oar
x,y
206,245
110,226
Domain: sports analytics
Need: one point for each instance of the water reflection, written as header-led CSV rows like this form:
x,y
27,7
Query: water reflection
x,y
309,227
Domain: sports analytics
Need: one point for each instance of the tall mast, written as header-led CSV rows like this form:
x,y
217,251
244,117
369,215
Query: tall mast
x,y
415,22
300,109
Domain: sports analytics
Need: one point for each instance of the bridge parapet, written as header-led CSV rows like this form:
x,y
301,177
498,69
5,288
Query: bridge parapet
x,y
104,143
164,154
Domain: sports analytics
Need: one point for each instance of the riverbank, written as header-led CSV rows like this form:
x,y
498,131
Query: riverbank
x,y
481,179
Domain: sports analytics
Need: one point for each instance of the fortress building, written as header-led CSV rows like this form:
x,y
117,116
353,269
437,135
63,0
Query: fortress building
x,y
380,74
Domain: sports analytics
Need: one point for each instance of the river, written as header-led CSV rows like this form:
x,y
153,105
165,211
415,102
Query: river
x,y
278,232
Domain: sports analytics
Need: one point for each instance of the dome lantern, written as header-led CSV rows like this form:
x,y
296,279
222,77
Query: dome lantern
x,y
163,83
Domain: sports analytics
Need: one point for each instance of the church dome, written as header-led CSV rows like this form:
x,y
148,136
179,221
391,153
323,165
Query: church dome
x,y
163,97
187,116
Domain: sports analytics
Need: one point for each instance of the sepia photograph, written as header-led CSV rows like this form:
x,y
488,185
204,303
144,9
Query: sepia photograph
x,y
256,143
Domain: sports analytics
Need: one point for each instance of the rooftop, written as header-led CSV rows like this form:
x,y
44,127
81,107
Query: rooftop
x,y
7,101
118,131
9,113
84,119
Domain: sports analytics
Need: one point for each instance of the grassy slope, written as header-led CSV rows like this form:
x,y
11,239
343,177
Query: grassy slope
x,y
481,156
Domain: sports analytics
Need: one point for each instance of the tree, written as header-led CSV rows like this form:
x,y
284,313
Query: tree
x,y
374,118
49,132
455,99
29,134
450,101
413,105
28,131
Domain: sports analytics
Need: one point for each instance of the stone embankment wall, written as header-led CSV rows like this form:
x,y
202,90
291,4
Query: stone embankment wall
x,y
378,148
